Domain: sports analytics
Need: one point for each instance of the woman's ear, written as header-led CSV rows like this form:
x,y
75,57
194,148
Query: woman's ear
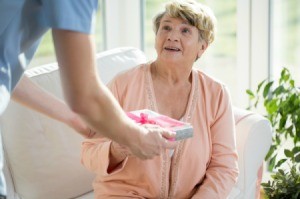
x,y
203,47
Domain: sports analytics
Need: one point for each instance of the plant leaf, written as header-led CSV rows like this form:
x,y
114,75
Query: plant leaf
x,y
282,122
297,158
259,85
288,153
270,152
250,93
278,90
292,83
267,89
280,162
272,163
296,149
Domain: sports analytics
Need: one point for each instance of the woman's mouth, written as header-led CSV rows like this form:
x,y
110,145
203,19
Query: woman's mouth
x,y
169,48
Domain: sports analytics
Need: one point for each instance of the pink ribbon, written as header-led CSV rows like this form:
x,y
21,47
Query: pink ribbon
x,y
161,120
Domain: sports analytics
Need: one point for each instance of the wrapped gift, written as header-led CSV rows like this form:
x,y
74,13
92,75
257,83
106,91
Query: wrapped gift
x,y
183,130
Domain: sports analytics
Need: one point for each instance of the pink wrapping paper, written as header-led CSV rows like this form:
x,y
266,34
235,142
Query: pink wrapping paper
x,y
183,130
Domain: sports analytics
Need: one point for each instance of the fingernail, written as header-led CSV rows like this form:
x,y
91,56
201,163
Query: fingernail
x,y
171,139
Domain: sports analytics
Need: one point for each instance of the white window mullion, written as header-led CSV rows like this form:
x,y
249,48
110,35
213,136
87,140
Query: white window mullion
x,y
253,41
243,50
122,23
260,41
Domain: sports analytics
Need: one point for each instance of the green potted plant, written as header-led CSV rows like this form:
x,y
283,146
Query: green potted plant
x,y
281,101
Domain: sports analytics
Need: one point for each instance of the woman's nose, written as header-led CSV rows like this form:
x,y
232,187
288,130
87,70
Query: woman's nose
x,y
173,36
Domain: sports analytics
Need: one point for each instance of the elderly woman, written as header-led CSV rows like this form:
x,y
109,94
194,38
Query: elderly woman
x,y
204,166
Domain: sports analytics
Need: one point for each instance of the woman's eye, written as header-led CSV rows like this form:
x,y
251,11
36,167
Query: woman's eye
x,y
185,30
166,28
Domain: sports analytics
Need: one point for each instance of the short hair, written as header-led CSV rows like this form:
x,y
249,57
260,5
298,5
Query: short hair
x,y
196,14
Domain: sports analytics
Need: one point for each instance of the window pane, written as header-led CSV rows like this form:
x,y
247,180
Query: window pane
x,y
219,60
286,40
45,53
99,32
152,8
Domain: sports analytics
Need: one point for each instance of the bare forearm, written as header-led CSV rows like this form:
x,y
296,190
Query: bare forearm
x,y
101,110
31,95
84,92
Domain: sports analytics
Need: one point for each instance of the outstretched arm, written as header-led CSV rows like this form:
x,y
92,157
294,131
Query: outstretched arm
x,y
90,98
29,94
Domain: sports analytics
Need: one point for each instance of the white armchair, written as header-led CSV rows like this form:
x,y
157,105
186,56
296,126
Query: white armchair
x,y
253,140
42,156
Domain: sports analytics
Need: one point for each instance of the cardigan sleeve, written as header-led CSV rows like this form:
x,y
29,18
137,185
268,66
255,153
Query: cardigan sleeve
x,y
95,153
95,156
222,171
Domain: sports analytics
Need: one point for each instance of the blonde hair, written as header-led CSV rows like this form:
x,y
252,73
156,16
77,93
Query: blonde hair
x,y
194,13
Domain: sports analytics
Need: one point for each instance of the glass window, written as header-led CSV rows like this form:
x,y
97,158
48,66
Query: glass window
x,y
219,60
45,53
152,8
99,32
285,43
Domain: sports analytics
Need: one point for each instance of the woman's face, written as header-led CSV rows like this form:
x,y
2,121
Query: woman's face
x,y
177,41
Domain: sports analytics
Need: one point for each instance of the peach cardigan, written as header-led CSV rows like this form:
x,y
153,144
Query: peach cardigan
x,y
204,166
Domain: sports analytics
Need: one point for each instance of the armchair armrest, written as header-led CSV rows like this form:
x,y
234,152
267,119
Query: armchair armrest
x,y
253,138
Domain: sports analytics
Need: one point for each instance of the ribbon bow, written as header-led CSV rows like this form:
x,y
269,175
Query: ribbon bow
x,y
160,120
142,119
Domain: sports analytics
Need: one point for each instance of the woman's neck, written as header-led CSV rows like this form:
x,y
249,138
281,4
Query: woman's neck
x,y
172,74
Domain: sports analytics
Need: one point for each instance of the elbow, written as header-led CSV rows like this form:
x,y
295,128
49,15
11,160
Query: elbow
x,y
79,105
86,102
